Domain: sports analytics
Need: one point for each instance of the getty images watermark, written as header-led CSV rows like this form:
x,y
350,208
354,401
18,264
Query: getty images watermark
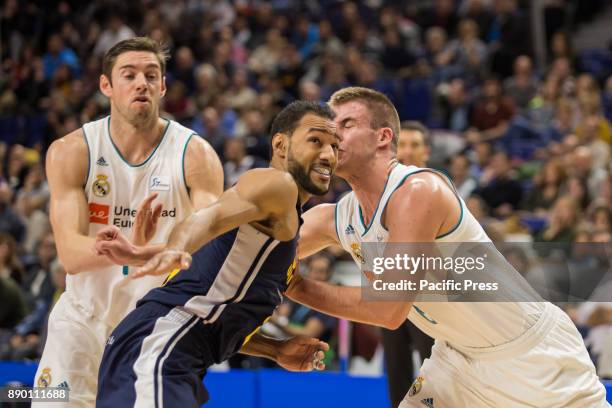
x,y
411,265
483,272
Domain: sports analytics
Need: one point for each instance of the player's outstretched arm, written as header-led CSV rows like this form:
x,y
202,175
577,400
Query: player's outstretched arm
x,y
318,231
258,195
299,353
414,214
67,167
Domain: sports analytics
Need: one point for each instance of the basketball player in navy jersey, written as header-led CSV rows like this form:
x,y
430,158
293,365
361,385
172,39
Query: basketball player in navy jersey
x,y
244,256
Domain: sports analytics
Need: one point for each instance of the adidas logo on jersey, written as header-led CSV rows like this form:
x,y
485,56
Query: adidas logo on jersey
x,y
428,402
349,230
101,161
63,384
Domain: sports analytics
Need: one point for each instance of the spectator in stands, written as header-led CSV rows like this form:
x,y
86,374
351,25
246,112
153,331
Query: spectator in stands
x,y
562,220
522,86
481,12
59,55
266,58
10,266
547,187
508,36
10,223
459,170
454,106
601,217
14,307
237,161
39,289
468,53
240,95
498,188
184,67
492,114
208,126
413,144
577,189
31,203
115,31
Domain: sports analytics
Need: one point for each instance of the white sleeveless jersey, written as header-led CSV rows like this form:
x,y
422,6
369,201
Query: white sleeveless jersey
x,y
463,325
114,190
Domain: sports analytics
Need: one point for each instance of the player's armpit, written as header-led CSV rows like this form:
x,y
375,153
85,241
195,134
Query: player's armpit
x,y
67,168
318,231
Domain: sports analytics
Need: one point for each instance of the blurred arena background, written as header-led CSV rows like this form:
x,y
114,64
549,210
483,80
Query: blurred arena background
x,y
517,95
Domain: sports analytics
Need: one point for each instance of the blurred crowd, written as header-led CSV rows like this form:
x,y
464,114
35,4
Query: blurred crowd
x,y
527,146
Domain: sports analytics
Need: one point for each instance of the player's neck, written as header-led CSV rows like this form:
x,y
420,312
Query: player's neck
x,y
369,185
136,143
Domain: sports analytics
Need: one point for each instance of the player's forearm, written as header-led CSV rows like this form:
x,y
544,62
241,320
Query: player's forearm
x,y
195,231
146,252
76,254
261,346
342,302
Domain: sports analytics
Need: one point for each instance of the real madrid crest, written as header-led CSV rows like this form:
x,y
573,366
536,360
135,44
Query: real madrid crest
x,y
416,386
101,187
44,380
356,249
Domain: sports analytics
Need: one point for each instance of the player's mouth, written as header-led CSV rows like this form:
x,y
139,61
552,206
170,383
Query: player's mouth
x,y
141,99
323,172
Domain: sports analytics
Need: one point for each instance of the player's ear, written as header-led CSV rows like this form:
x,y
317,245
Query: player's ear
x,y
105,86
163,86
385,136
280,143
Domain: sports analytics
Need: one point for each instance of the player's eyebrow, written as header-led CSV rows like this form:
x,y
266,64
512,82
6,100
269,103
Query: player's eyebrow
x,y
319,129
131,66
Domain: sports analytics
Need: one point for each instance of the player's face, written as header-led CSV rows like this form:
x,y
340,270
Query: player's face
x,y
313,154
137,86
411,148
357,137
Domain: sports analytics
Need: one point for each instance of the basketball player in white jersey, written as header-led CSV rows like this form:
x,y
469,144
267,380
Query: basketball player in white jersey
x,y
99,175
503,355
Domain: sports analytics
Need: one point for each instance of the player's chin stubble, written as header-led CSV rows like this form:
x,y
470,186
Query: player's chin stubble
x,y
301,175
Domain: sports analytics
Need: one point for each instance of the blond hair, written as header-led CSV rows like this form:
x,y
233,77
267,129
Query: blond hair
x,y
382,112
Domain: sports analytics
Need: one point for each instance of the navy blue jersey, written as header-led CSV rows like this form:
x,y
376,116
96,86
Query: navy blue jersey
x,y
234,283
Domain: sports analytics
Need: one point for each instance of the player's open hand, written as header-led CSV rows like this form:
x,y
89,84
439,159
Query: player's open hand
x,y
145,222
111,242
164,262
301,353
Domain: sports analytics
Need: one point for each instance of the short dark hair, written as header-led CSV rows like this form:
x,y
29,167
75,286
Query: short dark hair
x,y
418,127
134,44
288,119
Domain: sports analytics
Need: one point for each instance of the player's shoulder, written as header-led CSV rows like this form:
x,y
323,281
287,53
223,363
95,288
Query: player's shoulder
x,y
72,146
270,185
198,148
68,159
426,182
272,179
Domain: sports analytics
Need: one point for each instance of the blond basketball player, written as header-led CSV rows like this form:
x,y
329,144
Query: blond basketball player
x,y
99,175
486,355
